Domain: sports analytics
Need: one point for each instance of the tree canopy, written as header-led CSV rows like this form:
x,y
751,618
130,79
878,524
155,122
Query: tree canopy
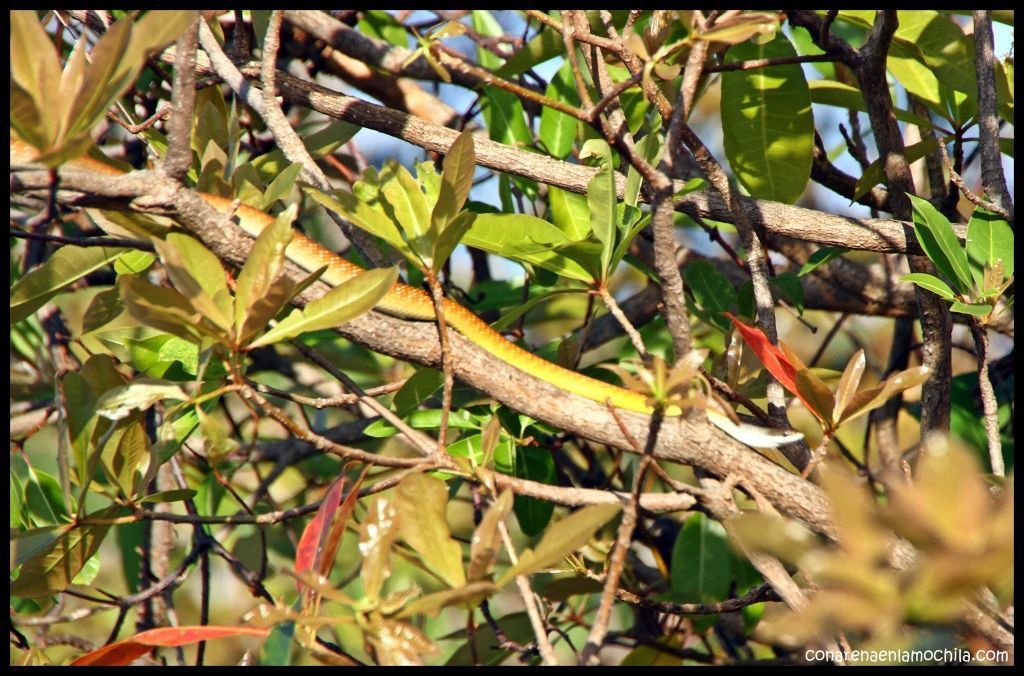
x,y
654,337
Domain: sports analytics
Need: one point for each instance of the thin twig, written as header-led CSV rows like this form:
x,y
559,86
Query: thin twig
x,y
84,241
988,398
547,652
437,296
958,181
613,307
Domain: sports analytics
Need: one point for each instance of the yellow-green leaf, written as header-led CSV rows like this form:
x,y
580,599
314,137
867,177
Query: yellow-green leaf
x,y
561,539
421,502
486,537
197,273
36,70
67,265
52,570
260,291
347,301
848,383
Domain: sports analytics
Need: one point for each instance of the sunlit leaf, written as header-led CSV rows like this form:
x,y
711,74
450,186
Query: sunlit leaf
x,y
421,503
126,651
376,535
138,395
931,283
197,273
767,125
561,539
51,570
260,292
486,538
342,303
868,400
989,239
848,383
456,180
940,243
67,265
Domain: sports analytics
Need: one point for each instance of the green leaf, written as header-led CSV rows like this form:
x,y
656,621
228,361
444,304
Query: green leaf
x,y
931,283
513,315
832,93
874,174
487,537
565,537
506,121
570,213
546,44
602,200
404,202
989,239
281,185
767,124
342,303
175,495
138,395
557,129
373,220
456,181
379,24
67,265
450,238
197,273
976,309
816,395
52,570
940,243
132,446
525,238
429,419
133,262
319,145
160,308
417,389
36,71
467,596
701,563
650,149
789,286
89,95
711,290
943,47
821,257
260,291
421,503
535,464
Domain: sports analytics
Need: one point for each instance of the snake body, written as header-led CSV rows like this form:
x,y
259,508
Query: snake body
x,y
401,301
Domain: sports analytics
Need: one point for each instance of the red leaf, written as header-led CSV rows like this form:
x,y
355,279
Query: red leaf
x,y
316,531
332,538
125,652
774,360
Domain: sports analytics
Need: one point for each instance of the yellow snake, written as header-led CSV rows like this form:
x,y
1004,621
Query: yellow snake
x,y
409,302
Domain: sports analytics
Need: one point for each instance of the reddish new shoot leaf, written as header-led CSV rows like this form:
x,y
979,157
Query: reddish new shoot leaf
x,y
773,358
316,530
125,652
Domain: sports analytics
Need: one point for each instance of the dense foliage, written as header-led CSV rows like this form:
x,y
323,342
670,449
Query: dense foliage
x,y
789,236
